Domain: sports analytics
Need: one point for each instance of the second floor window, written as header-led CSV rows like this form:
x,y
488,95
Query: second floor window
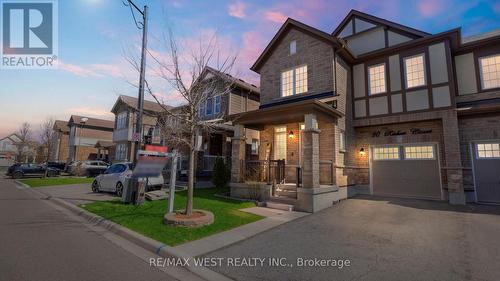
x,y
293,47
414,71
209,106
376,80
217,104
294,81
490,71
121,120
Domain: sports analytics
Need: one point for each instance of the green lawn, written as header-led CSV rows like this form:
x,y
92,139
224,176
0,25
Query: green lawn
x,y
55,181
147,219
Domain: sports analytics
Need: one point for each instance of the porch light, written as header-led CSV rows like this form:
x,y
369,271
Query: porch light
x,y
362,152
290,135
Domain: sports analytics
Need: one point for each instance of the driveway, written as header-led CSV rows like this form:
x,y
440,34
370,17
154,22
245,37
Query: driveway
x,y
383,239
76,193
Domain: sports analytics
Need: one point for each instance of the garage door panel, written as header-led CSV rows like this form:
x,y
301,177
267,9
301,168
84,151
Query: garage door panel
x,y
407,178
487,177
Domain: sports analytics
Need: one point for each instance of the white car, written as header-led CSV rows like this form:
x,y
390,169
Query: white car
x,y
114,177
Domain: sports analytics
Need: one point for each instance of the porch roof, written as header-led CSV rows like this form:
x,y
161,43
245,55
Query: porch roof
x,y
286,113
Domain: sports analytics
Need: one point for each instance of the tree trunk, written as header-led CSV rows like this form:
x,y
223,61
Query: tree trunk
x,y
190,188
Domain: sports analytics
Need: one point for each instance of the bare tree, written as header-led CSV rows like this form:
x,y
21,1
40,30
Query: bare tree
x,y
194,78
24,134
47,138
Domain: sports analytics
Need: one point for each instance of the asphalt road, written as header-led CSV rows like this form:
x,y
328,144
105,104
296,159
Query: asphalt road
x,y
40,242
384,239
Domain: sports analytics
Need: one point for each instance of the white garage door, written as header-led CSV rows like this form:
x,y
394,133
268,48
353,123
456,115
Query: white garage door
x,y
486,159
409,170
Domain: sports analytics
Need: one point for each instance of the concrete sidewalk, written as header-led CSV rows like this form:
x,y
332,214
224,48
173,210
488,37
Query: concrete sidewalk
x,y
218,241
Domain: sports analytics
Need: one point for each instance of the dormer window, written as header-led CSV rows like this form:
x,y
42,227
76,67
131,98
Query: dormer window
x,y
293,47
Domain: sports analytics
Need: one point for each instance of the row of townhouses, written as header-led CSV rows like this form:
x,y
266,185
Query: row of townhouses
x,y
373,107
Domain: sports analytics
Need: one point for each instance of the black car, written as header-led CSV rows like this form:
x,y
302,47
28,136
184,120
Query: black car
x,y
57,165
18,171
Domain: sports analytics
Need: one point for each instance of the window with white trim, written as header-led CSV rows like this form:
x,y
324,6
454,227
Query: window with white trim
x,y
490,71
376,80
121,120
293,47
121,151
419,152
280,143
488,150
294,81
209,106
414,71
386,153
255,146
342,145
217,104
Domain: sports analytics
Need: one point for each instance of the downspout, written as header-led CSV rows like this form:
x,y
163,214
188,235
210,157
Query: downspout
x,y
335,70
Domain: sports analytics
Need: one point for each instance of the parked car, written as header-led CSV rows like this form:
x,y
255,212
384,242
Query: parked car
x,y
57,165
18,171
90,168
114,177
71,167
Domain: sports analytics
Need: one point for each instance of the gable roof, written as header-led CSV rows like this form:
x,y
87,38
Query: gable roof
x,y
291,23
240,83
131,102
94,122
11,137
380,21
61,126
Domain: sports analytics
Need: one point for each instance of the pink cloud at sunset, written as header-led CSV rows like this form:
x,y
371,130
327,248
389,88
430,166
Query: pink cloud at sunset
x,y
237,10
275,16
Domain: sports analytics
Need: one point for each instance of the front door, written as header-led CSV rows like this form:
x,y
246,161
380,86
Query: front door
x,y
486,159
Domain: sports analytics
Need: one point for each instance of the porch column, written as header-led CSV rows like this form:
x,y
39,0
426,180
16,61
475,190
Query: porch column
x,y
238,154
310,168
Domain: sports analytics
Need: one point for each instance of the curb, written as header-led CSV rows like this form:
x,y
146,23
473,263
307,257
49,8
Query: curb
x,y
147,243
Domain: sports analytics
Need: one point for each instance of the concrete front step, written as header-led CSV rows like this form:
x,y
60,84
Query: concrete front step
x,y
279,206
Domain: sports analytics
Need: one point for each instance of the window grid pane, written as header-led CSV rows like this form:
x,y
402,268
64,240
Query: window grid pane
x,y
419,152
490,72
301,80
287,83
488,150
280,143
385,153
415,74
377,79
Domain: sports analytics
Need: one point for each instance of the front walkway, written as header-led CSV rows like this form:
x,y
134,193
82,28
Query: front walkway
x,y
384,239
218,241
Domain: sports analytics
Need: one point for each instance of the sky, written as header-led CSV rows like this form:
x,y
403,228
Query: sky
x,y
96,36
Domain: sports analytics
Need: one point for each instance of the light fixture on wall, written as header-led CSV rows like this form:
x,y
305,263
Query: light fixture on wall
x,y
362,152
290,135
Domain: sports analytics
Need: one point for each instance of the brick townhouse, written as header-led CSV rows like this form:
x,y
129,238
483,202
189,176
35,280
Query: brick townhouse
x,y
373,107
84,134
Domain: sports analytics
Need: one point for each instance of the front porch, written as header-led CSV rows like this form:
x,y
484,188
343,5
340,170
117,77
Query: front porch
x,y
296,156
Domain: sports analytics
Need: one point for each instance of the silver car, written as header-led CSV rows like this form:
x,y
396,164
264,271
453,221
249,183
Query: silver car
x,y
113,179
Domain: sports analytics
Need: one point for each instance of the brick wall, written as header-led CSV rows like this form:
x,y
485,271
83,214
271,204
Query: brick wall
x,y
317,54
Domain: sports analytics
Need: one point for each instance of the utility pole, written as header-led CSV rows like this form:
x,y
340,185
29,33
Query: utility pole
x,y
142,78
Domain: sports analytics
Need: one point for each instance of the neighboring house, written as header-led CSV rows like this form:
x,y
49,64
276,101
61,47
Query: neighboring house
x,y
60,152
125,110
84,133
9,152
241,97
375,107
105,151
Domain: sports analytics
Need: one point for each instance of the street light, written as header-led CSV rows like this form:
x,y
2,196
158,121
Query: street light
x,y
140,99
82,123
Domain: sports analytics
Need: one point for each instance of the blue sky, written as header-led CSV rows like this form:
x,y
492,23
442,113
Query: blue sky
x,y
94,33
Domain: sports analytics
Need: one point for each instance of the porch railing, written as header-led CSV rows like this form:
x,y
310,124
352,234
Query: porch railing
x,y
269,171
209,161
